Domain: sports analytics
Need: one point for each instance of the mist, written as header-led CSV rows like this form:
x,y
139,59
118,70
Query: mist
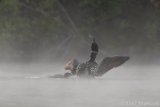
x,y
124,86
38,37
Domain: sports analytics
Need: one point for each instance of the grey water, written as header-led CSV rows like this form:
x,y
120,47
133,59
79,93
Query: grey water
x,y
126,86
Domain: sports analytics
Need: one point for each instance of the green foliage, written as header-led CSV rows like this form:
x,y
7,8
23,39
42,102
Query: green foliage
x,y
30,25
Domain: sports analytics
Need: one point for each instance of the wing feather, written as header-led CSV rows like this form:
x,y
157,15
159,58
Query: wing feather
x,y
110,62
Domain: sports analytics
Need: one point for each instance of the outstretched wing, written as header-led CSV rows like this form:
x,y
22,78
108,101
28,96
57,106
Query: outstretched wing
x,y
110,62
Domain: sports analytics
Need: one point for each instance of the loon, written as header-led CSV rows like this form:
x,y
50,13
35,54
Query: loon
x,y
91,68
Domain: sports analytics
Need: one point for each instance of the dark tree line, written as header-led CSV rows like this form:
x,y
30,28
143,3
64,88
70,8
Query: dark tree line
x,y
31,28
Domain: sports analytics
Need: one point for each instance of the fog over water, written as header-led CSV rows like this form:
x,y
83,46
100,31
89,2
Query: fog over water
x,y
38,37
28,85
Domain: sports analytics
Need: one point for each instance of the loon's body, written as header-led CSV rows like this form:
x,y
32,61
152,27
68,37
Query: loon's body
x,y
90,68
86,69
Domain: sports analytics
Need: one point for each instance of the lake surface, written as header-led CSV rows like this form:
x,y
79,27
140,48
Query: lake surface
x,y
115,89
